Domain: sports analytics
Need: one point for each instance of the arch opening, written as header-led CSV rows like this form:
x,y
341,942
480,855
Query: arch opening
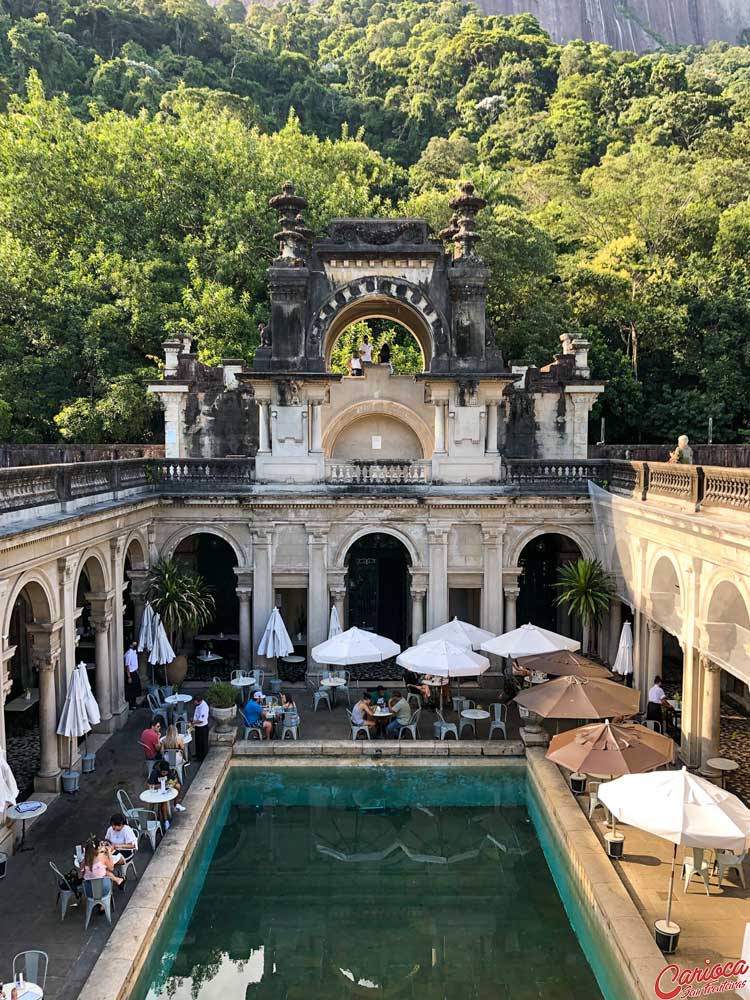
x,y
541,560
384,319
214,560
665,596
378,585
390,342
728,630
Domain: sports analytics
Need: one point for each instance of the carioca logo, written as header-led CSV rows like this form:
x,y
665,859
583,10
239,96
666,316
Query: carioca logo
x,y
672,981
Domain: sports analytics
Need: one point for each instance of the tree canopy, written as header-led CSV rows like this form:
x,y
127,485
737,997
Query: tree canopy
x,y
141,140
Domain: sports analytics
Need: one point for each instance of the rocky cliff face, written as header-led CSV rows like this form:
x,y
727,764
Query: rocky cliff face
x,y
635,24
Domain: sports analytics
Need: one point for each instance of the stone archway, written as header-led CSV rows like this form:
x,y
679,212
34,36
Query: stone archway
x,y
369,409
378,584
541,559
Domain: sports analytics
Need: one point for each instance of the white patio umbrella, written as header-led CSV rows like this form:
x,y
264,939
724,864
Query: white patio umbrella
x,y
443,659
334,625
8,786
624,660
680,807
161,649
80,711
355,646
146,633
458,633
527,641
275,640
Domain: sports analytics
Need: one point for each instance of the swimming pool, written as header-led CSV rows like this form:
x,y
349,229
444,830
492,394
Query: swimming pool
x,y
371,880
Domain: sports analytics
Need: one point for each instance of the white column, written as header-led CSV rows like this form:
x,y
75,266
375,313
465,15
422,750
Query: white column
x,y
262,584
117,651
492,428
66,577
690,743
418,595
437,595
263,438
615,627
45,661
440,427
654,652
710,712
246,640
511,600
492,580
101,623
317,586
316,428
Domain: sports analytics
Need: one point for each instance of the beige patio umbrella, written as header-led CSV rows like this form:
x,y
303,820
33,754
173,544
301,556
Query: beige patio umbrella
x,y
564,663
580,698
610,749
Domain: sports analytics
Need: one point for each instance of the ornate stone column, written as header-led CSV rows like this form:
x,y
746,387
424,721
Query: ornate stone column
x,y
317,586
45,658
117,641
101,620
615,627
66,567
137,579
690,744
244,592
492,428
440,427
262,584
418,590
263,431
511,601
654,652
316,427
710,739
492,581
437,594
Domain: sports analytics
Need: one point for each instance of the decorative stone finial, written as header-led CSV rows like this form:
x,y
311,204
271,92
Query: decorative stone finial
x,y
291,241
466,204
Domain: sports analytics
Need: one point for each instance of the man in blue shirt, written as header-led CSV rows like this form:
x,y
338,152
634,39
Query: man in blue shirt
x,y
255,716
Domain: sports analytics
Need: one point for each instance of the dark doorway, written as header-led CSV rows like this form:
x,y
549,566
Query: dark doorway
x,y
377,582
541,560
214,559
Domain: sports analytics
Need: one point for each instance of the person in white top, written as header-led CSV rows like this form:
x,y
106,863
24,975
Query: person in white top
x,y
121,836
354,364
200,727
365,350
656,697
132,679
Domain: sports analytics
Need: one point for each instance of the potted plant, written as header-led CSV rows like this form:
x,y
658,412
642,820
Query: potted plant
x,y
221,700
184,602
585,591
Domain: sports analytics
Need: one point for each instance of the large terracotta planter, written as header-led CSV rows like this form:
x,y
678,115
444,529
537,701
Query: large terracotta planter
x,y
223,717
176,671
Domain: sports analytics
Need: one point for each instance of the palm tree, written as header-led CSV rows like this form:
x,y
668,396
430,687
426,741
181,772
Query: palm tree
x,y
180,596
585,591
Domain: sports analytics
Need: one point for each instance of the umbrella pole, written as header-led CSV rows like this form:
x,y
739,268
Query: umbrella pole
x,y
671,887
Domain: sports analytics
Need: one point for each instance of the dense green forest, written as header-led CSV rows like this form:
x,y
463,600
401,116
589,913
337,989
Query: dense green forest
x,y
141,139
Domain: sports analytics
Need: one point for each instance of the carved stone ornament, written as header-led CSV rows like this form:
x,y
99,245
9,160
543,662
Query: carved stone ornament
x,y
376,232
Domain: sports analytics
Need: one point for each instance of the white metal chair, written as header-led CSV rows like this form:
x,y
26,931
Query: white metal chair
x,y
696,865
258,676
33,965
343,688
172,757
654,725
411,725
145,824
356,730
321,695
498,722
65,891
725,861
459,703
97,898
290,726
464,723
441,728
236,674
158,711
594,801
415,700
124,801
251,732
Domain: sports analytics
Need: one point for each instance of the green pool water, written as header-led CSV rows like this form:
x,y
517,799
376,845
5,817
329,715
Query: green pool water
x,y
424,883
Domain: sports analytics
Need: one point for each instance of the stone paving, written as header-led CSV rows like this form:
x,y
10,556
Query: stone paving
x,y
735,744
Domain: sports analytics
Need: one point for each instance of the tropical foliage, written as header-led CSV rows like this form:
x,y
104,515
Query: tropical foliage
x,y
585,592
180,596
139,143
221,695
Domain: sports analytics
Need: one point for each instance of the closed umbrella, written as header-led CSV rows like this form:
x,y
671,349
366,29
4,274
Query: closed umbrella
x,y
334,625
275,640
564,663
443,659
624,660
161,649
680,807
458,633
528,640
146,633
8,786
579,698
611,749
80,711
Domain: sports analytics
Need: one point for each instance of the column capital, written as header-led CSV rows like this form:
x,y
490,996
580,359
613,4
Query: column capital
x,y
418,593
438,533
244,594
244,577
45,660
511,592
117,547
493,532
337,591
709,665
419,580
138,578
101,622
317,534
652,626
66,567
261,536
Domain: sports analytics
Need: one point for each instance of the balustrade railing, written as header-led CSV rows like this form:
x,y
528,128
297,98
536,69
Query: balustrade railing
x,y
202,473
570,473
405,473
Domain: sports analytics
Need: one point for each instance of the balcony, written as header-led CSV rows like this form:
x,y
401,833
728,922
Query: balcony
x,y
381,473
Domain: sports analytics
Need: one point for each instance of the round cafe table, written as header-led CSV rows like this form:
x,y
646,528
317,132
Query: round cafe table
x,y
14,813
723,765
382,716
178,699
155,796
243,682
332,683
27,990
475,714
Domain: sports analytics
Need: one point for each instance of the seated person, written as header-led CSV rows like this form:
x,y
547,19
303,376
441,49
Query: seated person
x,y
287,702
401,715
163,770
362,712
173,741
380,696
151,740
96,866
255,716
121,836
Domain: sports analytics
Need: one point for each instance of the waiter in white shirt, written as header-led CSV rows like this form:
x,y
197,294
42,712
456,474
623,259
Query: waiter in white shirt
x,y
656,698
200,727
365,350
132,678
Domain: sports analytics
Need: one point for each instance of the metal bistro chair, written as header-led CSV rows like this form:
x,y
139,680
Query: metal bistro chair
x,y
441,728
167,690
145,824
356,730
726,861
696,865
498,721
466,723
592,787
33,966
158,711
124,801
236,674
148,765
411,725
65,891
343,688
414,700
290,726
171,757
98,898
251,732
319,695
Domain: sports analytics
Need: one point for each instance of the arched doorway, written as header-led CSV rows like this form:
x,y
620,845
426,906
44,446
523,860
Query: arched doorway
x,y
541,559
214,559
405,352
377,585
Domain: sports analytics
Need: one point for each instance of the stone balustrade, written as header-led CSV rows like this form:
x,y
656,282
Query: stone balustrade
x,y
701,486
381,473
567,473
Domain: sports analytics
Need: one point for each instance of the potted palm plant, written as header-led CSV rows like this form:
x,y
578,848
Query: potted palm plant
x,y
585,591
221,700
185,603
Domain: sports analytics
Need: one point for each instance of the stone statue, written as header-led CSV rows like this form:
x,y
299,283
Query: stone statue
x,y
683,453
265,334
567,343
289,393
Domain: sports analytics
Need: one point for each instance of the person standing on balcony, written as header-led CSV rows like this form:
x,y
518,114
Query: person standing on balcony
x,y
354,364
132,678
365,350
